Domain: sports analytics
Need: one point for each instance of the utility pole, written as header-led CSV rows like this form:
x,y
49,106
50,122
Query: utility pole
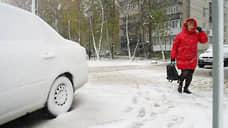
x,y
218,62
151,49
34,7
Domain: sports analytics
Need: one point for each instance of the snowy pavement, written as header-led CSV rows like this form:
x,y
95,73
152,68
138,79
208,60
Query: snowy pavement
x,y
133,95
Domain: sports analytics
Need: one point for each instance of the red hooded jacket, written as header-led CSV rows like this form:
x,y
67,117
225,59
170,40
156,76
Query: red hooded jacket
x,y
184,48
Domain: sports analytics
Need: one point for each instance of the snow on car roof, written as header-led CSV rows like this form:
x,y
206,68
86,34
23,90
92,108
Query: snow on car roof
x,y
11,14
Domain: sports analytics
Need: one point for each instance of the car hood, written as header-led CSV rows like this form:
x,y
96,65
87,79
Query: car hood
x,y
206,54
210,54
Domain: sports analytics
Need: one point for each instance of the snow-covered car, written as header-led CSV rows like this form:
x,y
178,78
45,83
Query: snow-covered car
x,y
39,68
206,58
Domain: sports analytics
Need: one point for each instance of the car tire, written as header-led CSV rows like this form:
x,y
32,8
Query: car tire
x,y
201,65
60,97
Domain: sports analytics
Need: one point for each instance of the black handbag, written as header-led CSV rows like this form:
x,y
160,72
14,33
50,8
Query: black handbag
x,y
172,74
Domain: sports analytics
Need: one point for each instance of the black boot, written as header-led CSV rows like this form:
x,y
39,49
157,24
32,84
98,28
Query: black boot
x,y
186,90
180,84
187,84
180,87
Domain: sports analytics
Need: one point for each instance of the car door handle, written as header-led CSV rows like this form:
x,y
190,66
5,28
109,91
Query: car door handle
x,y
48,55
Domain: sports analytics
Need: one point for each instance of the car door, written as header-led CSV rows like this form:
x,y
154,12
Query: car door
x,y
23,65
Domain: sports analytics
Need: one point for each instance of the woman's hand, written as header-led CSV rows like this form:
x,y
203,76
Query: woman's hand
x,y
172,60
199,29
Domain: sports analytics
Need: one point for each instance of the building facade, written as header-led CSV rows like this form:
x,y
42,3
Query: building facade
x,y
177,11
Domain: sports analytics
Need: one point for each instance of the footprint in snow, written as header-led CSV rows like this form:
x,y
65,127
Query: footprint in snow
x,y
142,112
137,125
175,120
170,125
135,100
152,114
129,109
156,105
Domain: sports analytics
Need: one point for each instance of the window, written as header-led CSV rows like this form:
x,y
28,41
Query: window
x,y
204,12
147,36
171,10
167,11
204,25
174,23
174,10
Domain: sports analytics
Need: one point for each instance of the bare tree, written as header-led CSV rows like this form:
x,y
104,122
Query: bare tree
x,y
93,37
102,25
141,10
159,20
90,12
127,35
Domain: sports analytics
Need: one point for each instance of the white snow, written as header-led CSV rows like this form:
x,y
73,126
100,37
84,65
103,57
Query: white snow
x,y
137,95
121,62
153,102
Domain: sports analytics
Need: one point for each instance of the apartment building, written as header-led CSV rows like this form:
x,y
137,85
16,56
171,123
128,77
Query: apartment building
x,y
177,11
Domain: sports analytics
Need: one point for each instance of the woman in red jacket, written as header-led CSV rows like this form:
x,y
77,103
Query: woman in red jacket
x,y
184,50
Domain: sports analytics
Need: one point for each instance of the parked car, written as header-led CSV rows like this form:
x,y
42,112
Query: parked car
x,y
206,58
39,68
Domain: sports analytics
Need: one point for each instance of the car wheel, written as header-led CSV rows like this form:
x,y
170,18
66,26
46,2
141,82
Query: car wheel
x,y
60,96
201,65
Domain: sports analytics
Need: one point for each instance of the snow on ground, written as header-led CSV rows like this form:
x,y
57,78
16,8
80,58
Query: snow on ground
x,y
134,96
121,62
156,103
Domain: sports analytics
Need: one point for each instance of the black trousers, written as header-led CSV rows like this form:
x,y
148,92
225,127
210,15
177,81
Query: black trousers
x,y
186,74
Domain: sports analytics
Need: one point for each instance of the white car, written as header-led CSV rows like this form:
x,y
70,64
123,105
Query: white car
x,y
39,68
206,58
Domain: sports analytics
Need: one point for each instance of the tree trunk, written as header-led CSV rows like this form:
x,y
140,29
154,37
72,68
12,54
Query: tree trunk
x,y
161,47
102,25
127,36
128,41
107,28
79,24
56,21
79,33
150,33
113,27
94,42
133,56
69,34
141,4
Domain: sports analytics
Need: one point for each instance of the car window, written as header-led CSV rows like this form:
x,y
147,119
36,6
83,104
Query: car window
x,y
16,24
